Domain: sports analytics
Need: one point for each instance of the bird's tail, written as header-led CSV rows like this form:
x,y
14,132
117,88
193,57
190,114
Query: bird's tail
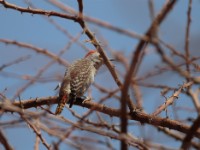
x,y
62,101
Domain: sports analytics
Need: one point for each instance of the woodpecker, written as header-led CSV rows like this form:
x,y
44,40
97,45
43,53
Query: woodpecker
x,y
77,79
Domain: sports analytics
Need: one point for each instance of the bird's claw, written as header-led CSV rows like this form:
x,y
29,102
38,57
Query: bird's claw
x,y
86,99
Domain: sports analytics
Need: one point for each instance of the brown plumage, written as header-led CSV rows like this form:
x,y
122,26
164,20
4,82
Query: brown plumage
x,y
77,79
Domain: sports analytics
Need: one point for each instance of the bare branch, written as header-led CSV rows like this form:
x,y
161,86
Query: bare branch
x,y
80,6
138,74
138,116
37,132
174,66
98,22
4,141
36,11
36,49
171,99
135,62
18,60
187,52
194,128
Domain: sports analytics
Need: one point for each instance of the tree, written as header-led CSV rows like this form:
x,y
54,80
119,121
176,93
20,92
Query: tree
x,y
152,87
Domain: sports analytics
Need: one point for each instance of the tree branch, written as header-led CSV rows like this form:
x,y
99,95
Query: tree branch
x,y
138,116
37,11
4,141
187,140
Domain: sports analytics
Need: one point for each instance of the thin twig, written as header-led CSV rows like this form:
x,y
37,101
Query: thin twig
x,y
171,99
187,36
36,49
37,132
37,11
4,141
174,66
18,60
98,22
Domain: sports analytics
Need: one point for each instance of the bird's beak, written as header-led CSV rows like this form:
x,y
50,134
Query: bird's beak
x,y
111,59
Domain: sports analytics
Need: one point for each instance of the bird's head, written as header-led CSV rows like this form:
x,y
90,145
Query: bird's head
x,y
95,57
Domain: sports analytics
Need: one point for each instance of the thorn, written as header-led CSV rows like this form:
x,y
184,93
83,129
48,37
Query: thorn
x,y
47,14
84,30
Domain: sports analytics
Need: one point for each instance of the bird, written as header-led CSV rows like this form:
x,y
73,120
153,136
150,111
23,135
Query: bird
x,y
77,79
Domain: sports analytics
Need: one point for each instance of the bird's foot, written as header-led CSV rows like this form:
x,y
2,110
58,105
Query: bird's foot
x,y
86,99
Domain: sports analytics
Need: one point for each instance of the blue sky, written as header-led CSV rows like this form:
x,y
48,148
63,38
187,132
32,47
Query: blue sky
x,y
132,15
